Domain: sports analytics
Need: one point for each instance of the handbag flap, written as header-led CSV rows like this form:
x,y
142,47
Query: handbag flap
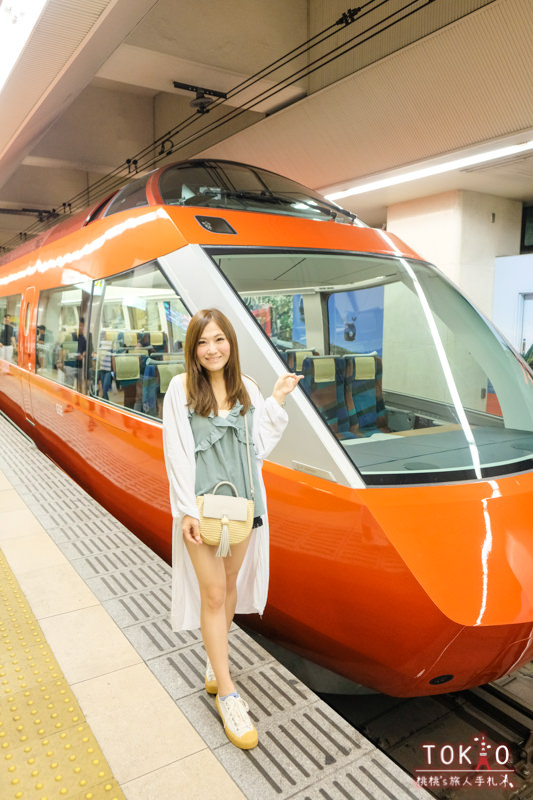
x,y
221,505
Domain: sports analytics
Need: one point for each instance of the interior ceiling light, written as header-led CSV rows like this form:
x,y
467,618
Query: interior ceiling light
x,y
434,169
17,20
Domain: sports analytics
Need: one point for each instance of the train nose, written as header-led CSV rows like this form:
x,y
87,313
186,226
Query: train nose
x,y
470,546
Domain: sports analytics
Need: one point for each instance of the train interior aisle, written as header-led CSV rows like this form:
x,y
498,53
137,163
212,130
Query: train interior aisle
x,y
100,699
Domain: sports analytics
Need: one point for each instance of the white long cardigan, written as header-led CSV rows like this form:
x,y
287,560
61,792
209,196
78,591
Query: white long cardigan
x,y
269,422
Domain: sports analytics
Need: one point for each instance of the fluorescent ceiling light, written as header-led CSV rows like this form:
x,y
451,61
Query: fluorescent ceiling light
x,y
17,20
435,169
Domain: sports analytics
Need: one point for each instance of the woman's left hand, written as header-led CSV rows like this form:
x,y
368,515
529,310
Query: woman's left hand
x,y
284,385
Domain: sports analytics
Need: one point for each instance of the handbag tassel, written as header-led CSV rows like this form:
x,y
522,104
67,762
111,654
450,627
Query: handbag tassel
x,y
224,548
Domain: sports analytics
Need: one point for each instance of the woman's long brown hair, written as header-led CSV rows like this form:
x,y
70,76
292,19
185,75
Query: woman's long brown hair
x,y
200,395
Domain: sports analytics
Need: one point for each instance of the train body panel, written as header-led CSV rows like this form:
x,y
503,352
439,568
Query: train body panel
x,y
401,547
350,551
484,578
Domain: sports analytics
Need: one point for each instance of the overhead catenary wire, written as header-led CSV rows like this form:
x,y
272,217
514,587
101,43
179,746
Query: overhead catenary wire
x,y
284,83
146,158
346,19
263,96
268,93
272,91
115,179
351,15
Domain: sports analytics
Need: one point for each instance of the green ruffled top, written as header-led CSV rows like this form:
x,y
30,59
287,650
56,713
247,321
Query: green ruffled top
x,y
220,451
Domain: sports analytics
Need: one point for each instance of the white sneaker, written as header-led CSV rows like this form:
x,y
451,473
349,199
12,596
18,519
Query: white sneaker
x,y
211,685
237,724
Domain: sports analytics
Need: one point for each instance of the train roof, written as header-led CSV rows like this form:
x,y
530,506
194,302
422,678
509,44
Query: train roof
x,y
211,183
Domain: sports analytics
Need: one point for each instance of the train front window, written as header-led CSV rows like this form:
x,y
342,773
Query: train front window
x,y
225,184
410,379
133,195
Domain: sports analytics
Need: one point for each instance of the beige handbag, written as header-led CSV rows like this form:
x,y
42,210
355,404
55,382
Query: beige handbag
x,y
226,519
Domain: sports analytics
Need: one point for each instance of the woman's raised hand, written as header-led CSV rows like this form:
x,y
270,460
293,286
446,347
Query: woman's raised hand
x,y
284,385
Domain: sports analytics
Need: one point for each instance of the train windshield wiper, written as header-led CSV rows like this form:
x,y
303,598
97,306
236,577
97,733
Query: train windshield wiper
x,y
265,196
319,204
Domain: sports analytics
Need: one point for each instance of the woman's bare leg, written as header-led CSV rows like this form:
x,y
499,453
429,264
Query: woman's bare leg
x,y
212,582
217,579
232,566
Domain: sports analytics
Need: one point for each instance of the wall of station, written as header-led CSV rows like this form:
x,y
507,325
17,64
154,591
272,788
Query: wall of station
x,y
462,233
473,239
513,300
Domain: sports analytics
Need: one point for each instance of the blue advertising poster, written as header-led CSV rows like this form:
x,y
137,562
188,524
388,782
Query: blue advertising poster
x,y
356,321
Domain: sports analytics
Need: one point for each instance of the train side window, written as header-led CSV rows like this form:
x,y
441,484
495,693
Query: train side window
x,y
138,329
61,339
9,327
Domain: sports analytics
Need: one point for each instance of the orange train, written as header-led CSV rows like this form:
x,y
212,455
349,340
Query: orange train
x,y
400,496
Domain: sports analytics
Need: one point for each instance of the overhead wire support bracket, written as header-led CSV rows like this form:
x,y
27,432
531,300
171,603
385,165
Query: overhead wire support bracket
x,y
201,101
348,17
169,142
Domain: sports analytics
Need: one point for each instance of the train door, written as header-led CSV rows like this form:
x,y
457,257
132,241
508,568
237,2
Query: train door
x,y
28,313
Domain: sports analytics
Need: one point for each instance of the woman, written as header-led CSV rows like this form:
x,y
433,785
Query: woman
x,y
204,437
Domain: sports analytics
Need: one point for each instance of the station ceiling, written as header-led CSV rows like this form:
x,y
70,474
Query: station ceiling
x,y
329,95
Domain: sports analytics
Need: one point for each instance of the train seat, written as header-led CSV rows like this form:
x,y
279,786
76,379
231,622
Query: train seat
x,y
127,368
364,384
295,358
156,379
130,338
67,334
158,341
166,373
324,383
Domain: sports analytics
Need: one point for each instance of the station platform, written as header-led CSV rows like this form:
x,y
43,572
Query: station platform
x,y
101,700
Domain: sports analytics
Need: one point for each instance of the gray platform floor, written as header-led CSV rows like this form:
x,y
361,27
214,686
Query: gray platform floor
x,y
306,750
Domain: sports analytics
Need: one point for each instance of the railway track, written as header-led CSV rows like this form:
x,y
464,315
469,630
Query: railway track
x,y
449,730
477,743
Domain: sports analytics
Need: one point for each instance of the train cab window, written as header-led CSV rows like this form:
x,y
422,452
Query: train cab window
x,y
9,328
61,341
133,195
411,381
225,184
138,329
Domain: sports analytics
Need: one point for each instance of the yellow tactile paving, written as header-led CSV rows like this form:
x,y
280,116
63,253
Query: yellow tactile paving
x,y
47,750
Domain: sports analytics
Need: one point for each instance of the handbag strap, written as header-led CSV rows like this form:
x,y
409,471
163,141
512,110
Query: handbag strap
x,y
249,459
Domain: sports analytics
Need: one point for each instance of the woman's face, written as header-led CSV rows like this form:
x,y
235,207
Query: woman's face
x,y
213,349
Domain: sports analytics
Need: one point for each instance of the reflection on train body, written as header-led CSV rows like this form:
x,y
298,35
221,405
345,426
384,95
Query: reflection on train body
x,y
400,496
421,362
407,376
